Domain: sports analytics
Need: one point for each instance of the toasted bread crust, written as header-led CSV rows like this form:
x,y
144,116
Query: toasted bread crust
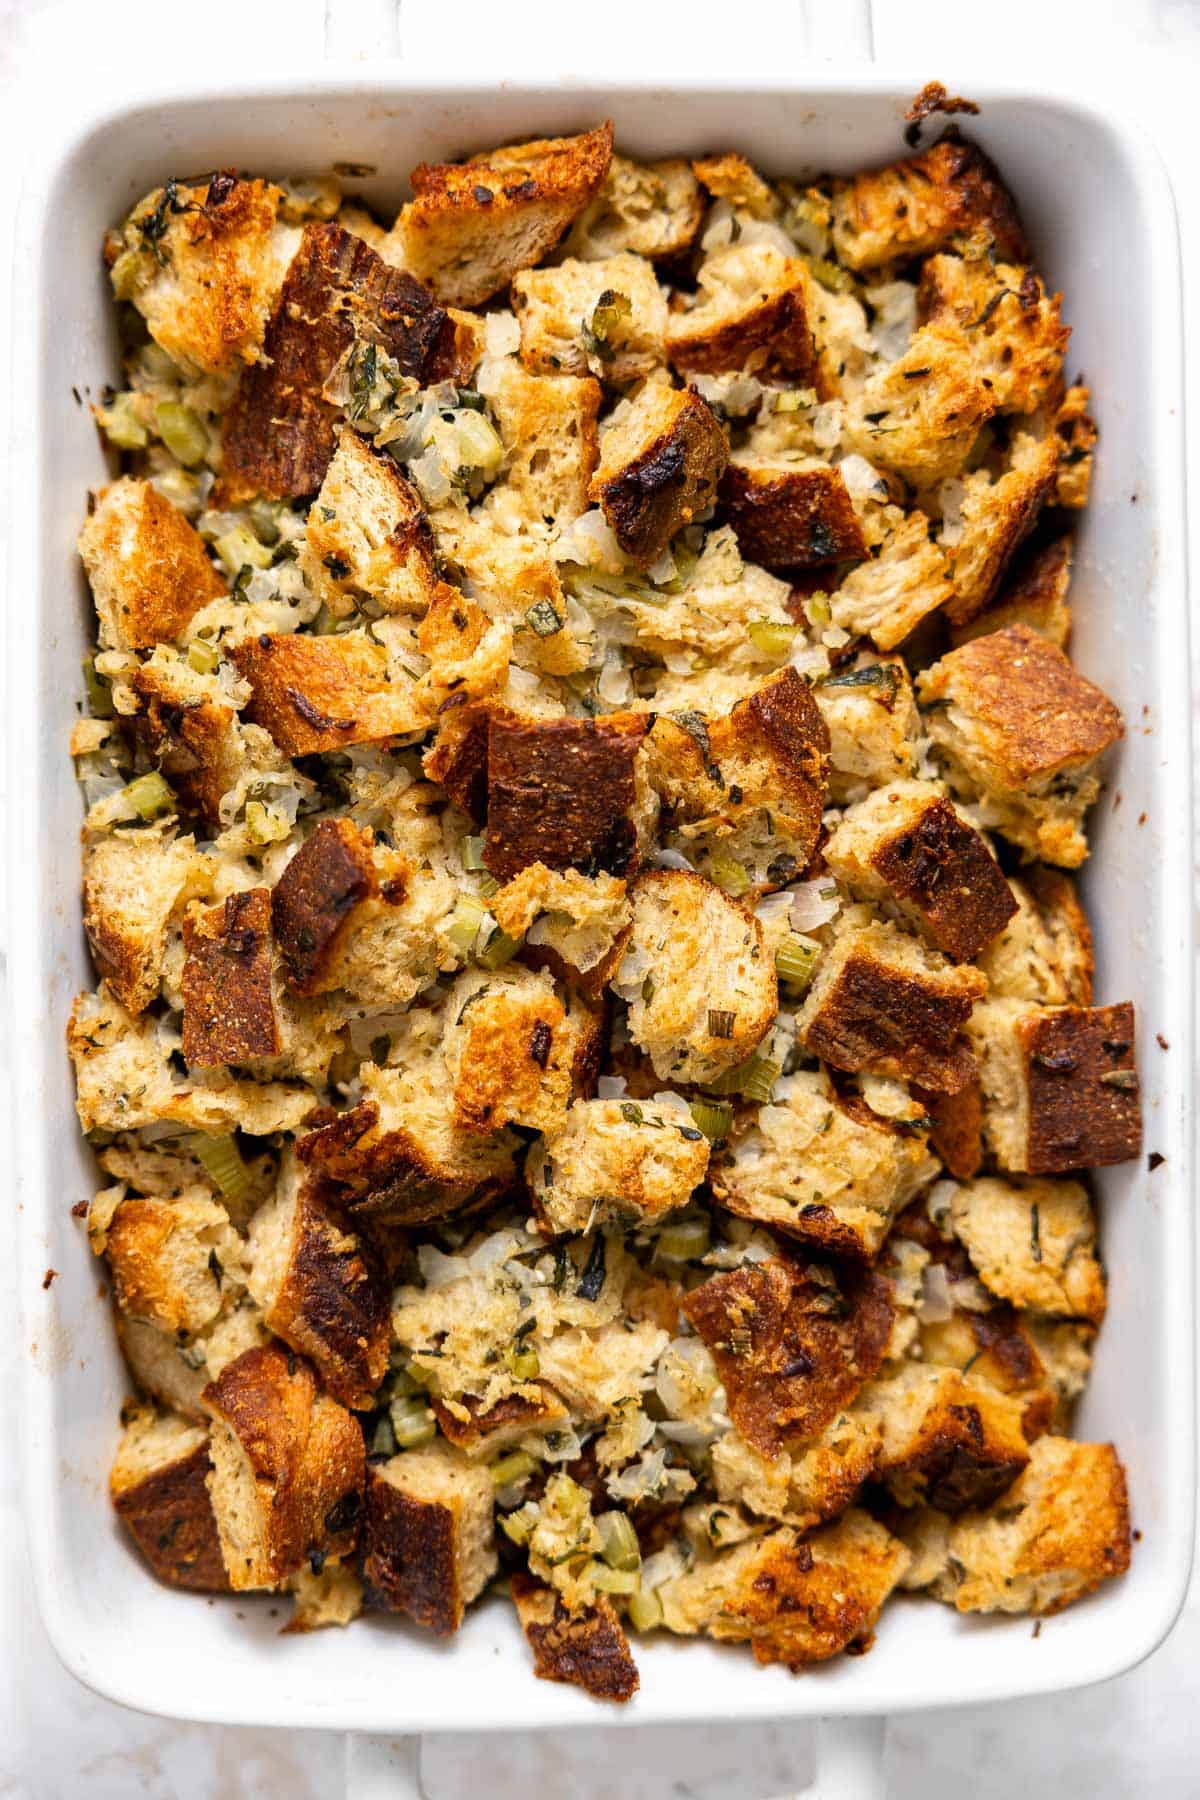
x,y
789,1350
650,490
194,746
936,199
148,566
766,329
170,1518
947,1442
1084,1096
489,1428
390,1177
325,693
228,1008
313,902
957,1127
942,867
279,435
791,518
408,1560
562,793
587,1649
1033,592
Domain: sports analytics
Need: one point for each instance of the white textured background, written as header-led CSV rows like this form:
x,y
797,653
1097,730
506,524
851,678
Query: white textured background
x,y
1136,1736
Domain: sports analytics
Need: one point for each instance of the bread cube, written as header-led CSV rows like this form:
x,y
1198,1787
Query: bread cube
x,y
791,515
1033,1243
158,1489
1044,953
710,991
316,900
320,1288
516,1053
945,1440
480,1429
889,594
577,923
1060,1085
327,693
660,462
204,265
428,1547
606,318
586,1648
1058,1532
872,719
794,1601
1064,1349
149,569
921,413
751,312
229,1011
993,519
334,1596
730,177
191,730
367,534
1033,592
1020,729
287,1468
955,1127
547,424
561,792
748,788
832,1175
652,209
174,1372
941,199
906,847
881,1002
280,431
1011,325
997,1350
471,226
792,1346
617,1160
176,1262
817,1481
131,890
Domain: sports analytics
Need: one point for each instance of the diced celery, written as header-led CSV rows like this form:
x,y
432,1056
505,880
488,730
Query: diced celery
x,y
222,1160
612,1581
500,949
796,958
149,796
121,425
471,851
517,1466
713,1118
204,657
618,1541
772,640
465,921
182,431
99,691
264,825
523,1361
729,874
685,1239
239,548
645,1609
383,1438
412,1422
479,447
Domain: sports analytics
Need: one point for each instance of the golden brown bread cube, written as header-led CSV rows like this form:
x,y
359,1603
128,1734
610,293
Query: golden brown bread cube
x,y
428,1547
1012,326
229,1011
823,1170
158,1489
547,425
939,199
288,1467
872,720
905,846
191,731
367,534
327,693
1045,951
906,580
132,885
472,225
751,311
1033,592
792,1345
611,1160
319,1287
1033,1243
994,516
149,570
481,1429
815,1481
328,1594
794,1601
955,1127
790,516
1060,1085
314,902
1018,727
730,177
921,413
561,792
280,430
174,1262
577,923
652,209
660,463
606,319
586,1648
515,1052
881,1002
945,1440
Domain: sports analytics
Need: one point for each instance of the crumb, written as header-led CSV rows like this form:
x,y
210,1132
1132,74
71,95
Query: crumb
x,y
1142,817
1037,1629
79,1210
48,1278
1137,1537
1155,1160
1117,798
1161,1041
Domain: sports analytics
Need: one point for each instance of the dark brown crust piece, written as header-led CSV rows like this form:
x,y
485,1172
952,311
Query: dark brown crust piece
x,y
511,1410
408,1557
389,1180
458,757
280,431
313,902
322,693
791,1348
672,479
333,1302
792,518
562,793
1039,575
974,194
1084,1097
587,1649
933,98
170,1518
228,1009
190,745
942,867
954,1462
775,333
879,1017
956,1135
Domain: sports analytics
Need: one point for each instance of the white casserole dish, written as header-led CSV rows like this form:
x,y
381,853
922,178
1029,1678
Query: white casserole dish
x,y
1099,212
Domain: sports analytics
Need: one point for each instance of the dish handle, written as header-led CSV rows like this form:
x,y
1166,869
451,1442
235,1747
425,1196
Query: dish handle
x,y
849,1764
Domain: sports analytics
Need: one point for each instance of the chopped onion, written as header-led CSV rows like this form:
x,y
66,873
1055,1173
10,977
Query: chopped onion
x,y
631,973
936,1306
815,903
670,859
611,1087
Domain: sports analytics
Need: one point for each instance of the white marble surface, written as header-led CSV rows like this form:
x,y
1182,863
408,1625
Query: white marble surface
x,y
1135,1736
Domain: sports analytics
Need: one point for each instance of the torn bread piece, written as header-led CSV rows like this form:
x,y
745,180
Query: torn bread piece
x,y
158,1488
471,226
332,1596
586,1648
751,311
1077,437
830,1174
229,1013
1044,952
328,693
1033,1243
367,534
133,885
650,209
706,990
428,1547
791,514
514,1052
661,459
547,425
319,1287
480,1428
577,922
316,900
993,518
288,1468
871,716
1060,1085
945,1441
617,1160
883,1003
189,726
793,1343
1010,324
147,564
1033,592
176,1262
1020,732
906,847
920,414
562,792
904,581
937,200
606,319
816,1481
